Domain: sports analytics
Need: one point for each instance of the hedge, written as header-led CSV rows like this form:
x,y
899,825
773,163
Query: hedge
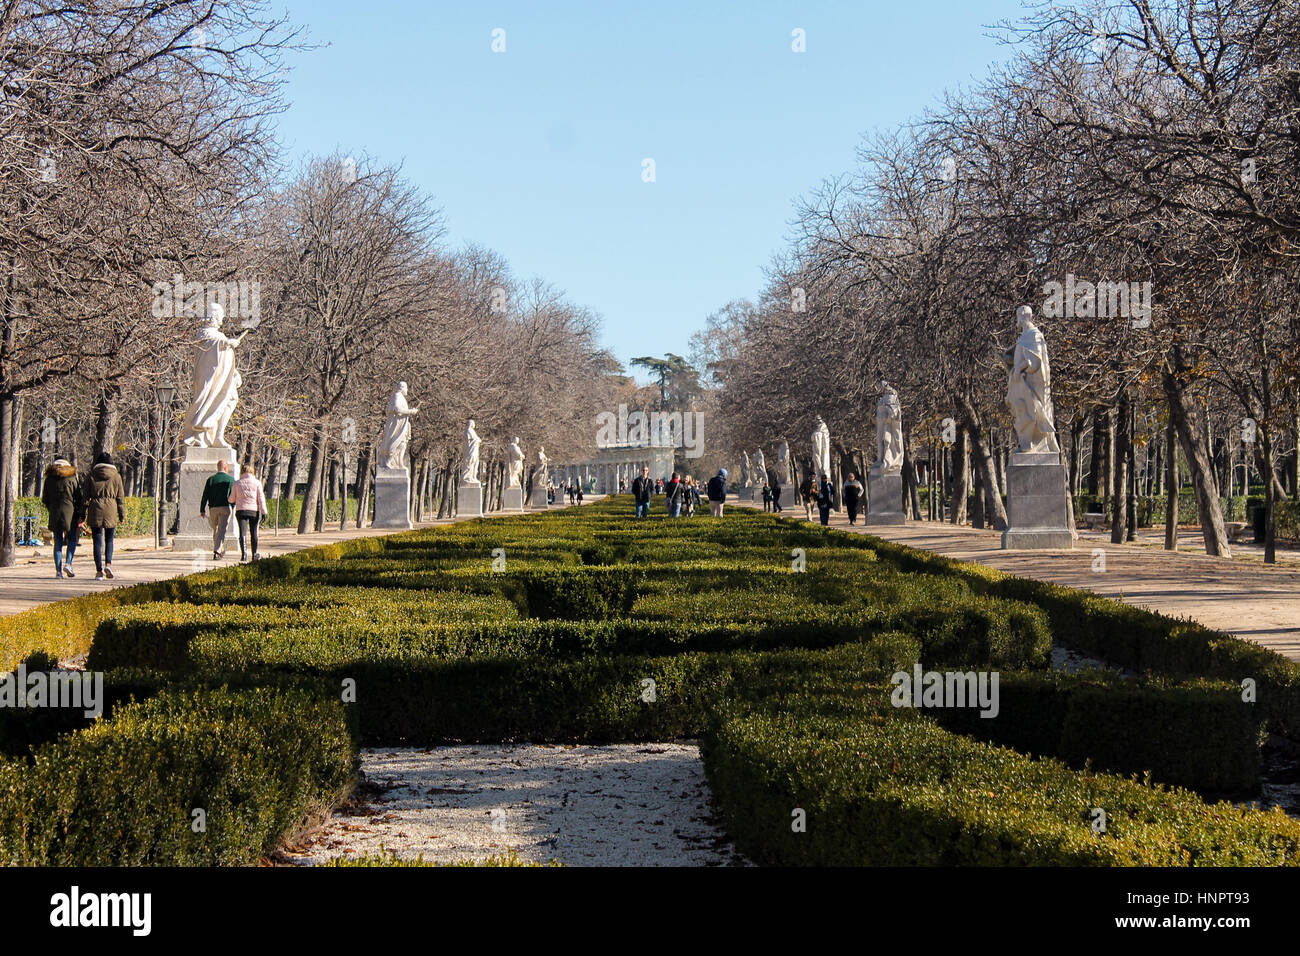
x,y
602,628
139,517
122,793
889,786
1199,735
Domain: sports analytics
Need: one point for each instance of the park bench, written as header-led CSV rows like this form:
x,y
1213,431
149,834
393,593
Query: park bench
x,y
1095,520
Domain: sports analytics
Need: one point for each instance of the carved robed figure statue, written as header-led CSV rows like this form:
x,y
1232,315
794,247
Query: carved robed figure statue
x,y
397,430
216,383
1029,387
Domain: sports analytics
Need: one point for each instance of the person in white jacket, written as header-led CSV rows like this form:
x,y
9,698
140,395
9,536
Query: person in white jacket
x,y
249,502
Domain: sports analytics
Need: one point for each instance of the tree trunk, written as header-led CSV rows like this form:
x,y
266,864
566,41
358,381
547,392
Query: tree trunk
x,y
961,477
1198,461
315,469
291,475
7,466
909,478
1171,486
1119,502
363,484
1098,466
996,513
107,410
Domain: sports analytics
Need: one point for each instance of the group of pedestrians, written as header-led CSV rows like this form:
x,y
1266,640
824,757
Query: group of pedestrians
x,y
575,493
772,498
96,502
681,495
222,494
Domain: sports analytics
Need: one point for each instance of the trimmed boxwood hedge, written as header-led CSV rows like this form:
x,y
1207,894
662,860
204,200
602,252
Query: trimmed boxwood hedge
x,y
770,640
1197,734
122,792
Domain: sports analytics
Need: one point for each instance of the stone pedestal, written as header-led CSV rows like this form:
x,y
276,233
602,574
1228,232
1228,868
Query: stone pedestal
x,y
1038,515
538,497
193,533
750,493
469,500
512,499
885,498
392,497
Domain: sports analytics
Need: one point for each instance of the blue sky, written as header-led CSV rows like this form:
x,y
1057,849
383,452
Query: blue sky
x,y
537,152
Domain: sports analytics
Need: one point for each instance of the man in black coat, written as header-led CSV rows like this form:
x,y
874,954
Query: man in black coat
x,y
642,489
717,491
852,497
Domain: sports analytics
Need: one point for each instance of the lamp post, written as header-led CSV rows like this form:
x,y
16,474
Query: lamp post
x,y
165,395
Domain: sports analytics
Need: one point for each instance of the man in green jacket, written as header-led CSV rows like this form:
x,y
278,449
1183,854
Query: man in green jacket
x,y
216,507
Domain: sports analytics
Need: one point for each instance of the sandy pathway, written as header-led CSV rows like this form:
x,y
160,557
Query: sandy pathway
x,y
616,805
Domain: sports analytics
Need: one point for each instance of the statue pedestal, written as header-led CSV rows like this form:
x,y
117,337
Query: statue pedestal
x,y
885,498
512,499
538,497
469,500
1038,515
193,533
392,498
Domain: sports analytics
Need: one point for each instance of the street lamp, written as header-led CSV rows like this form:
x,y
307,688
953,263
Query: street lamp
x,y
165,395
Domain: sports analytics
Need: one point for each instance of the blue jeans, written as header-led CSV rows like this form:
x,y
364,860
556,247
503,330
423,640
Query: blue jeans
x,y
103,547
643,509
675,509
64,539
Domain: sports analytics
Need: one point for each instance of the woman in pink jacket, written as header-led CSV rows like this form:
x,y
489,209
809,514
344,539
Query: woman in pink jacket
x,y
249,502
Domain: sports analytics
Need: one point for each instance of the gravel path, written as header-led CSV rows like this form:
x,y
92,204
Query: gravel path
x,y
616,805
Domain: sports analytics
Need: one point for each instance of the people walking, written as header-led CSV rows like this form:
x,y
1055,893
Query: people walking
x,y
717,492
807,492
776,499
825,497
852,497
215,506
690,497
673,496
642,489
105,501
61,495
767,498
249,502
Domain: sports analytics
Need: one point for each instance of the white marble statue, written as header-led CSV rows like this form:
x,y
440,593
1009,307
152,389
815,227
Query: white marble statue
x,y
1029,387
821,443
472,442
515,467
397,430
539,476
783,462
216,383
889,433
746,472
760,468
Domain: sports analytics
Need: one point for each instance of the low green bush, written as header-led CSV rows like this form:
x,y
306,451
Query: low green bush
x,y
1199,735
123,792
